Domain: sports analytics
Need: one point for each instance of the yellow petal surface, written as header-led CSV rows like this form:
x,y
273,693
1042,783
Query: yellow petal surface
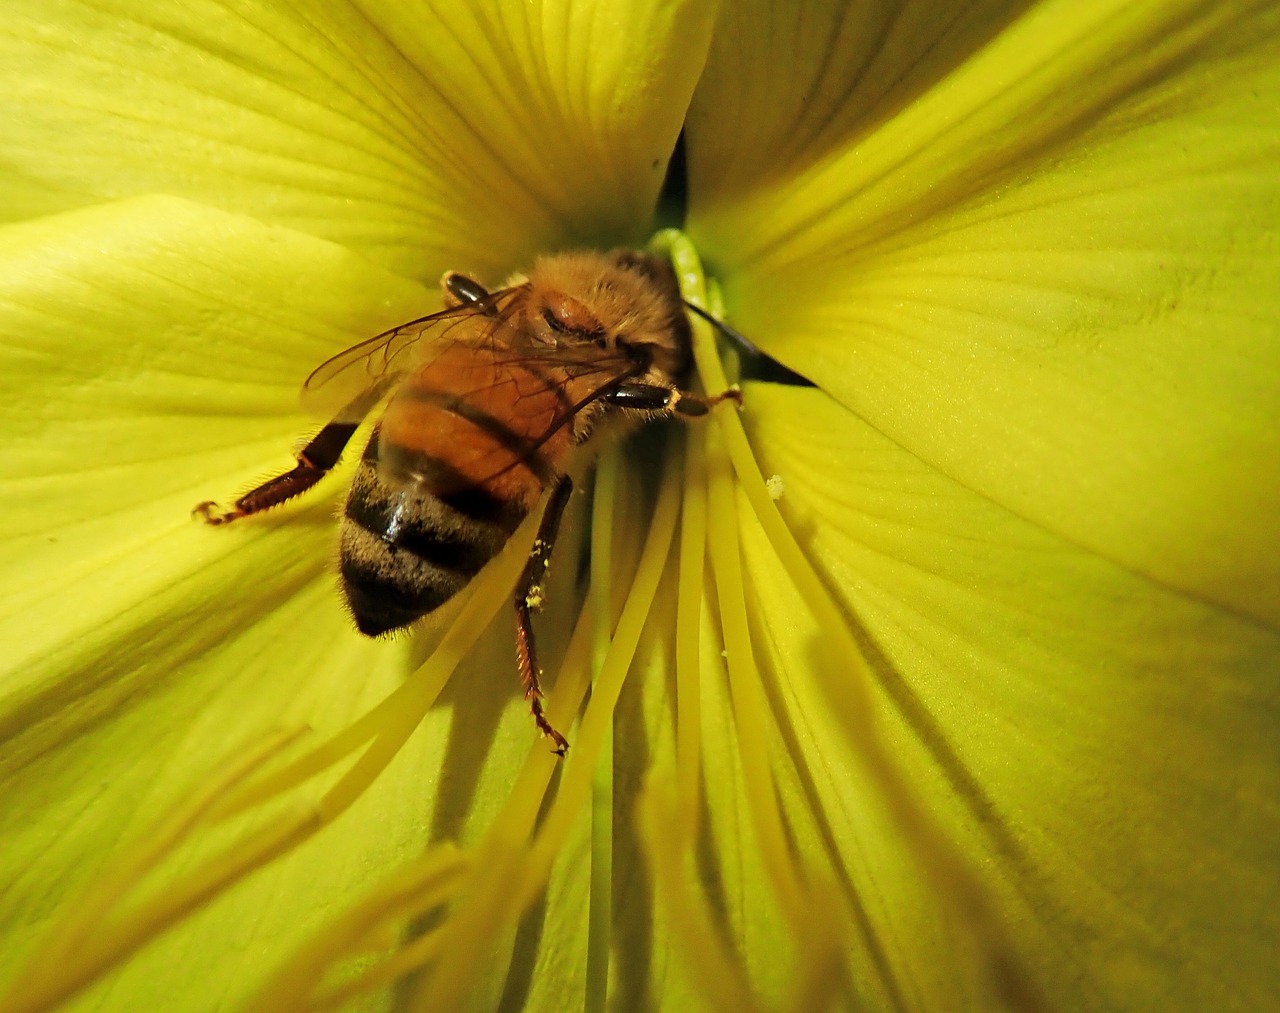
x,y
783,91
152,353
1100,749
425,136
1053,276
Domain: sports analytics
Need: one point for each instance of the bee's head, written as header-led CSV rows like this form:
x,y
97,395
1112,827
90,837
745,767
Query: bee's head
x,y
616,301
557,318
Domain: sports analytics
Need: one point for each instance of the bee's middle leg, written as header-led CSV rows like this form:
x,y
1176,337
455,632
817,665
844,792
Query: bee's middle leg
x,y
529,595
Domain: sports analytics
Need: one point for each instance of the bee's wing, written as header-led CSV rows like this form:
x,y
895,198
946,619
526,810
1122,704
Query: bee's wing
x,y
606,370
500,349
341,381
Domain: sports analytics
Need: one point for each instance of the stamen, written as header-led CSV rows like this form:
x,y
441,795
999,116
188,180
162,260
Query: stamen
x,y
75,953
491,887
403,710
481,920
693,551
750,709
404,961
612,674
600,900
491,899
508,889
103,932
668,845
814,913
846,678
110,944
428,883
389,721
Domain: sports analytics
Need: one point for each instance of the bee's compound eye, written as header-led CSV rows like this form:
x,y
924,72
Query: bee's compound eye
x,y
553,321
566,315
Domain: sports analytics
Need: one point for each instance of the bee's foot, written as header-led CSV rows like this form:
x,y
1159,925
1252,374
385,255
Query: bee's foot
x,y
211,513
733,394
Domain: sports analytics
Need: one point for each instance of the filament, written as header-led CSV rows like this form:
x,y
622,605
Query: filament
x,y
514,879
600,894
846,678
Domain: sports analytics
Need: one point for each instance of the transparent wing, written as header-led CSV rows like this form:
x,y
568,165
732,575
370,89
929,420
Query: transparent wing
x,y
608,374
493,352
342,381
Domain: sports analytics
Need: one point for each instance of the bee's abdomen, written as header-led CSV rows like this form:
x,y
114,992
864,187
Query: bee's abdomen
x,y
406,550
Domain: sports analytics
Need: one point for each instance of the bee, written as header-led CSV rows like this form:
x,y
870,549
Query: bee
x,y
490,405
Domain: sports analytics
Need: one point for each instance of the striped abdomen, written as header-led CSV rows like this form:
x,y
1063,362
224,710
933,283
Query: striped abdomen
x,y
451,471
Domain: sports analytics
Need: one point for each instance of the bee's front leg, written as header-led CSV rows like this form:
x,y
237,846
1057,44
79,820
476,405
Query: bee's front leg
x,y
654,397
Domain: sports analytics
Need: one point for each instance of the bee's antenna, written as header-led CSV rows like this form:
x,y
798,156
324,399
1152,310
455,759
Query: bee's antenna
x,y
756,365
737,337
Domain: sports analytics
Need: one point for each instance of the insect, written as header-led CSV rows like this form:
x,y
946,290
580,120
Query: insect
x,y
491,404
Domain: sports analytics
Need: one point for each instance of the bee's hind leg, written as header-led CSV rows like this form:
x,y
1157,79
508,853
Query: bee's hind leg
x,y
529,595
315,460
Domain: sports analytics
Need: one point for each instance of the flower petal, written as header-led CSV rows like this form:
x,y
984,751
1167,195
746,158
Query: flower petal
x,y
146,650
139,378
426,137
1101,748
1054,277
780,92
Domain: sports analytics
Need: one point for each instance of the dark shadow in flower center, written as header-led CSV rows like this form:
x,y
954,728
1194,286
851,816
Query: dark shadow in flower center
x,y
673,206
673,197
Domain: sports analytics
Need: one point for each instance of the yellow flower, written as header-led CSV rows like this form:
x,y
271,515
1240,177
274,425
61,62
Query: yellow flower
x,y
981,711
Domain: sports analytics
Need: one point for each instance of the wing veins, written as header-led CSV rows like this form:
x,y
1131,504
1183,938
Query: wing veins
x,y
378,355
563,419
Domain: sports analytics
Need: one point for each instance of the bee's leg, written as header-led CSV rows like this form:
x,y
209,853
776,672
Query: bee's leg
x,y
529,596
654,397
315,460
459,290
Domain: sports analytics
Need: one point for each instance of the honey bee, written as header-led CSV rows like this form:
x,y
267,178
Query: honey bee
x,y
491,404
